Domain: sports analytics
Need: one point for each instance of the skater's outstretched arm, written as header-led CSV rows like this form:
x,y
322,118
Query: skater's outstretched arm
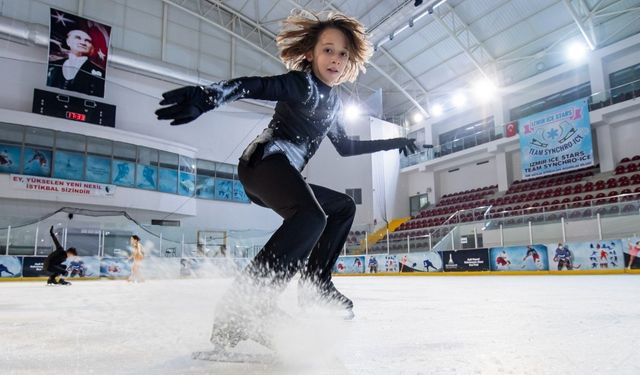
x,y
187,103
55,239
349,147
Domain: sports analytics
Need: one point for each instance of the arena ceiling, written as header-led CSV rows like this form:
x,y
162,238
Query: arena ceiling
x,y
424,55
427,53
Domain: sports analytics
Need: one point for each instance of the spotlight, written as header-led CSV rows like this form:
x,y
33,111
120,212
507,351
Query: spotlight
x,y
459,100
576,52
484,90
437,110
417,117
352,111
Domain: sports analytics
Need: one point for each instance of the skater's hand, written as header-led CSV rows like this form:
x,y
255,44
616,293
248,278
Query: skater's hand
x,y
405,146
187,103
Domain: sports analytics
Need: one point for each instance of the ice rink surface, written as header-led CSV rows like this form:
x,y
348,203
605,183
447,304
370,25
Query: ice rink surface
x,y
403,325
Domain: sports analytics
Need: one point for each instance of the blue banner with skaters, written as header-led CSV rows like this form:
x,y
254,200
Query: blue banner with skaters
x,y
556,140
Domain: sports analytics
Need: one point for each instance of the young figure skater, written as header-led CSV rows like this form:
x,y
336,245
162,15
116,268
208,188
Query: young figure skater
x,y
53,261
136,257
633,253
321,54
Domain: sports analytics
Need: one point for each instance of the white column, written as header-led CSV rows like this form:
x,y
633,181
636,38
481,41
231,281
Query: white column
x,y
430,182
598,78
500,112
605,151
502,171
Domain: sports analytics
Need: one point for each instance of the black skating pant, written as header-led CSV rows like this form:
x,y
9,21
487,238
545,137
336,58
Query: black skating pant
x,y
56,271
316,221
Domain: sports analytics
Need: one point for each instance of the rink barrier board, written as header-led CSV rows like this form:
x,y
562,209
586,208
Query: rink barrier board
x,y
413,274
611,256
588,258
494,273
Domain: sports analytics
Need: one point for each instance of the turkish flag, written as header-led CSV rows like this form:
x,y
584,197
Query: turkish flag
x,y
511,128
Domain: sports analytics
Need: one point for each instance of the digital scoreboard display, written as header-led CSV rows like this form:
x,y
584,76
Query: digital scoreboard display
x,y
76,116
73,108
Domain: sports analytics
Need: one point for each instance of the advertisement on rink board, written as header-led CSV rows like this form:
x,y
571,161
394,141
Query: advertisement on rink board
x,y
86,266
519,258
632,253
349,264
594,255
420,262
114,267
33,267
10,266
476,260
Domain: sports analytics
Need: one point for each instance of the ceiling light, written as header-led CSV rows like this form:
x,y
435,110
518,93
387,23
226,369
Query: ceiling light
x,y
459,100
436,110
352,111
576,52
484,89
417,117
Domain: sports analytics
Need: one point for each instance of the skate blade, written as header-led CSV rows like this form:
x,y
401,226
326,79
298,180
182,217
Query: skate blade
x,y
349,315
221,355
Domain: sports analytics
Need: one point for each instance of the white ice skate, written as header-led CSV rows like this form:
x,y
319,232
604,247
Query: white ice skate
x,y
312,295
243,318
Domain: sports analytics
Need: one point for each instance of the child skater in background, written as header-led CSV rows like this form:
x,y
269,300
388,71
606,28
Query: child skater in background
x,y
136,257
53,262
320,54
633,253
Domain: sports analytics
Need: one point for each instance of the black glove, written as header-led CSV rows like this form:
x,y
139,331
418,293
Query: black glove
x,y
187,103
405,145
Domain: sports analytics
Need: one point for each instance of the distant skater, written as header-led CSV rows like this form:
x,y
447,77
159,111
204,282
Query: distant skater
x,y
53,262
633,253
136,257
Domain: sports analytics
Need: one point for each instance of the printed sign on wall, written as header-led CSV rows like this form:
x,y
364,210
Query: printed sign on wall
x,y
55,185
78,51
556,140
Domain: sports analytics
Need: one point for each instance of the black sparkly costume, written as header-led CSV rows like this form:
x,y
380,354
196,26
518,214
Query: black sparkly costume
x,y
53,262
316,220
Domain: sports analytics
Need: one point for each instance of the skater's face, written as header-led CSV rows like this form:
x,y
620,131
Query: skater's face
x,y
329,56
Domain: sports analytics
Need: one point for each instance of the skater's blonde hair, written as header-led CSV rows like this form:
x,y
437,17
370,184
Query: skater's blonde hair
x,y
300,33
